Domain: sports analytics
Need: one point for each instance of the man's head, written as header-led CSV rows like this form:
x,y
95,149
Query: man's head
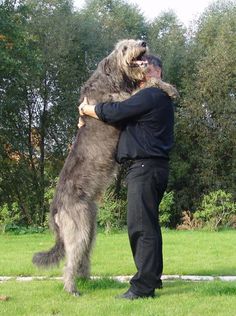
x,y
154,68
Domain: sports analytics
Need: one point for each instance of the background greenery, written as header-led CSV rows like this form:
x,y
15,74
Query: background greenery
x,y
48,50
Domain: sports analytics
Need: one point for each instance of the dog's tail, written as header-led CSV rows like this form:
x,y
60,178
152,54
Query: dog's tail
x,y
51,257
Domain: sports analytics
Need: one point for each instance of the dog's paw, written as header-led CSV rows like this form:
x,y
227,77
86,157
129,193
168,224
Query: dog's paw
x,y
76,293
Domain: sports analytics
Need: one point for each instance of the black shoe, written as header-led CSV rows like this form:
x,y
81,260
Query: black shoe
x,y
159,284
129,295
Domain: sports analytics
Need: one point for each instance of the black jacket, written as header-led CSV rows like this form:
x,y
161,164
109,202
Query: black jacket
x,y
147,122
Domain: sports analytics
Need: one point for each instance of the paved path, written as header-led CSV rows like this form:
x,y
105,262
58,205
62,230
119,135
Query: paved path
x,y
126,278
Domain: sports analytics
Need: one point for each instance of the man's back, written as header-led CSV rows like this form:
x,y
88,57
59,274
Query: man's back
x,y
147,121
149,135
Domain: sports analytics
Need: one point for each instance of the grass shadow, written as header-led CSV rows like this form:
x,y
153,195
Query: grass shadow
x,y
207,288
216,271
102,284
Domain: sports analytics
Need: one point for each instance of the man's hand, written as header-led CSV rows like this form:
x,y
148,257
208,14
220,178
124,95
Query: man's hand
x,y
81,122
86,109
82,105
81,112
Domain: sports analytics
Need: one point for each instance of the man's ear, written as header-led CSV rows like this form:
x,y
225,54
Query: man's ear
x,y
106,66
161,72
158,71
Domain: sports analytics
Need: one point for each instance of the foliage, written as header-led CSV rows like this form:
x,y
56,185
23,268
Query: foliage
x,y
49,191
189,222
101,24
166,208
167,39
9,215
36,94
216,210
22,230
48,50
112,212
204,156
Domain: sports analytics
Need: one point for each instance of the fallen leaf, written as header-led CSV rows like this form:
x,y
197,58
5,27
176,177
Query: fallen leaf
x,y
4,298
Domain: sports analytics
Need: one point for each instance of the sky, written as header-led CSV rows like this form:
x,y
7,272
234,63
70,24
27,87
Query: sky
x,y
186,10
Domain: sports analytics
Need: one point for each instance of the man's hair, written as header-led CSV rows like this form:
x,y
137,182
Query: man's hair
x,y
154,60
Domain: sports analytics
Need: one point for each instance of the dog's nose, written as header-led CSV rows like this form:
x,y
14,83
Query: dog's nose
x,y
143,44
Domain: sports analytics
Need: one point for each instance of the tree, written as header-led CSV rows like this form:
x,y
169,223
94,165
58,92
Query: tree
x,y
45,60
206,129
101,24
37,94
167,39
18,58
48,51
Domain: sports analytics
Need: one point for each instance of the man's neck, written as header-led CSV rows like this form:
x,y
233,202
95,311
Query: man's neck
x,y
142,83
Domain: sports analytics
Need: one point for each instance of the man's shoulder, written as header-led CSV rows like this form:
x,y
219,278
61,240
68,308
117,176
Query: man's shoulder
x,y
155,90
150,90
158,93
153,95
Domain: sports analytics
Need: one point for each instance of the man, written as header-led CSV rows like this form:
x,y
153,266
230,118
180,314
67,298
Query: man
x,y
147,120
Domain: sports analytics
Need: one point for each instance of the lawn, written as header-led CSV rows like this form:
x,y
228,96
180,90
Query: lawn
x,y
186,252
98,299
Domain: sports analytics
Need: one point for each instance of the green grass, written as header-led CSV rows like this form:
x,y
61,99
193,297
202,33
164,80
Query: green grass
x,y
98,298
185,252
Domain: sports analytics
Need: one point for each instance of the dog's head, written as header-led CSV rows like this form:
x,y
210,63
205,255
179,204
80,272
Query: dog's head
x,y
129,56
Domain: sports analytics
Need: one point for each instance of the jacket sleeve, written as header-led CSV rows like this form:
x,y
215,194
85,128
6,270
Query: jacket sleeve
x,y
114,112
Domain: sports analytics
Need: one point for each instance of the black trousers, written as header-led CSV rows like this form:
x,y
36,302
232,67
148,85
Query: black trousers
x,y
147,181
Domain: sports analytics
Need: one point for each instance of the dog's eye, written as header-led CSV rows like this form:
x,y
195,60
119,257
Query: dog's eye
x,y
124,49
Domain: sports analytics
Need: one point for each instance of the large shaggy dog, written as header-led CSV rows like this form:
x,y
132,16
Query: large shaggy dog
x,y
90,164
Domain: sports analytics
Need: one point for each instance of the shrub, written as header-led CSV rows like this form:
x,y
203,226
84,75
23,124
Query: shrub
x,y
50,191
9,216
48,197
165,208
112,212
23,230
217,210
189,222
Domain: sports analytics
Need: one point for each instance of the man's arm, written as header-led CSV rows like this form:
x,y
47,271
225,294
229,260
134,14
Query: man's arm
x,y
114,112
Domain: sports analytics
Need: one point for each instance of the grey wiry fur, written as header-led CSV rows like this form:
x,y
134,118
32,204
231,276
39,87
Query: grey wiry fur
x,y
89,165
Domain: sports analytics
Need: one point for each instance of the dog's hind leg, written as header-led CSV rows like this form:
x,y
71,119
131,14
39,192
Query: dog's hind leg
x,y
78,239
83,270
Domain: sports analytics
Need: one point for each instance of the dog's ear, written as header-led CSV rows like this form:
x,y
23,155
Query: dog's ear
x,y
124,49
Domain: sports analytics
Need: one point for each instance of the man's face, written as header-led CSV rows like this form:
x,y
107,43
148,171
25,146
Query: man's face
x,y
153,71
